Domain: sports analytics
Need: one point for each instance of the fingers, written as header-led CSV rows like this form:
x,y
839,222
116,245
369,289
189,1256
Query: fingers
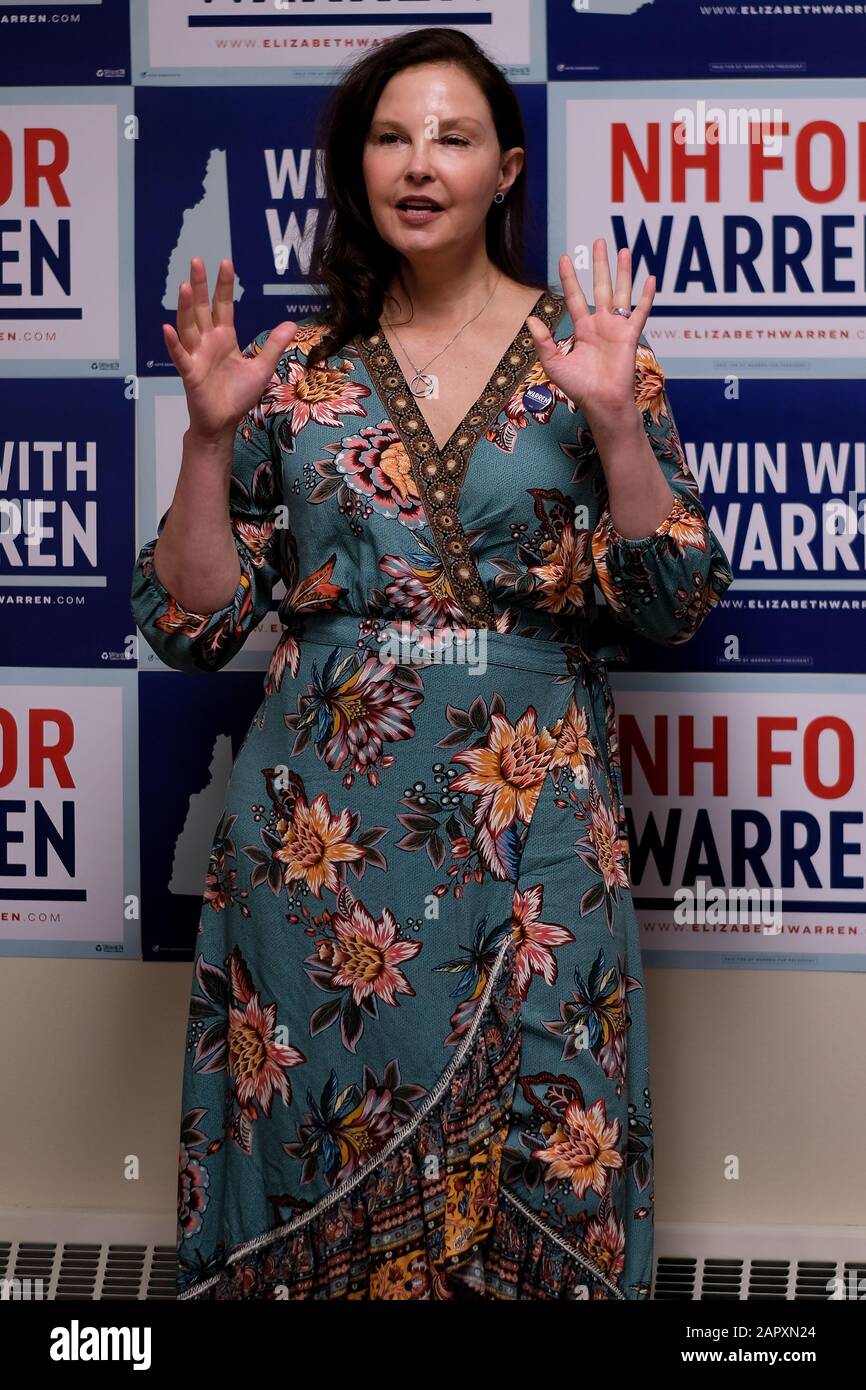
x,y
602,290
178,353
575,299
223,295
620,296
622,289
278,340
544,345
643,306
194,317
187,329
193,306
200,297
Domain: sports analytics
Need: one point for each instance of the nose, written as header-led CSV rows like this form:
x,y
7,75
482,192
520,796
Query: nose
x,y
418,158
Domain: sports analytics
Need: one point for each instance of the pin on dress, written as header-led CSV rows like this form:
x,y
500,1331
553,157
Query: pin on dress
x,y
417,1063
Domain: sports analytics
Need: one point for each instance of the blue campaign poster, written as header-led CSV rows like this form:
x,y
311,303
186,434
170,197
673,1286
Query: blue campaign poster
x,y
601,40
190,728
782,475
67,480
68,41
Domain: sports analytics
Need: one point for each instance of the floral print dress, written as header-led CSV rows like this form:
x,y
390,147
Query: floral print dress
x,y
417,1063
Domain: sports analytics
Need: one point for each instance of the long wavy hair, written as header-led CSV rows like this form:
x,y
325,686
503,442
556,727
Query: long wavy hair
x,y
349,257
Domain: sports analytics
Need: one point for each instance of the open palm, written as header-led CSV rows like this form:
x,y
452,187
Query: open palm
x,y
221,384
597,375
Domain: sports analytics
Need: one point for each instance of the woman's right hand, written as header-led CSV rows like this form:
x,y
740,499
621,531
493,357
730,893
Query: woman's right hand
x,y
221,384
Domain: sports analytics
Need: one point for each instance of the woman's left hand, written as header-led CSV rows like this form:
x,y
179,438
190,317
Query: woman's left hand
x,y
598,374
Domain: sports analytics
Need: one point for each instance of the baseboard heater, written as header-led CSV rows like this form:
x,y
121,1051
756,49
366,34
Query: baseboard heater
x,y
103,1255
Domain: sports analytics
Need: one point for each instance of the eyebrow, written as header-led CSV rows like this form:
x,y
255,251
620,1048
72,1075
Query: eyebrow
x,y
443,121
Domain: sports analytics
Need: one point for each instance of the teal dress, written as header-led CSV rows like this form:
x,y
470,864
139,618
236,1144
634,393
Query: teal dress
x,y
417,1062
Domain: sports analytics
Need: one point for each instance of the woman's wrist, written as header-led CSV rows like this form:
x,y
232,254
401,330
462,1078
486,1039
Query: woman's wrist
x,y
610,426
209,443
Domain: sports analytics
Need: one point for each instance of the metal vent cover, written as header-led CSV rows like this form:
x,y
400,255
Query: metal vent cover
x,y
75,1270
720,1280
79,1255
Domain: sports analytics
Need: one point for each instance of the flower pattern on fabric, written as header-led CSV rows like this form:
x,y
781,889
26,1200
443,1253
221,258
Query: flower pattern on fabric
x,y
417,1061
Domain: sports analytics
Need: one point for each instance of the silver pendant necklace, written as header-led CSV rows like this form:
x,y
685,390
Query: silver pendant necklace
x,y
421,384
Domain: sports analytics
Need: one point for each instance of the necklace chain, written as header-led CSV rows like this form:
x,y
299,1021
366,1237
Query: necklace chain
x,y
424,382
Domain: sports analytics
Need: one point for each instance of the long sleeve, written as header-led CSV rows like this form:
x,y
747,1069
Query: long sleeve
x,y
191,641
662,585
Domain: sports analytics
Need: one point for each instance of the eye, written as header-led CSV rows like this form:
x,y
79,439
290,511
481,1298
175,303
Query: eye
x,y
387,137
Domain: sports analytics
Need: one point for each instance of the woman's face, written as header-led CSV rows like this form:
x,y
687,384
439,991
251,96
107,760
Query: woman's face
x,y
432,136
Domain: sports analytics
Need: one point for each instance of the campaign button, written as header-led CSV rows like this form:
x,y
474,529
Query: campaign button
x,y
537,398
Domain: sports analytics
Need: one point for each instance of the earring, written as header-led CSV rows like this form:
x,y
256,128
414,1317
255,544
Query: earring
x,y
499,198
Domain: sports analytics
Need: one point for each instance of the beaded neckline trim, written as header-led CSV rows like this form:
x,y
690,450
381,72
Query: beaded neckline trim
x,y
439,473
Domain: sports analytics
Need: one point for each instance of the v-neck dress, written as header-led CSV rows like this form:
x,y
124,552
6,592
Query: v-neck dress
x,y
417,1063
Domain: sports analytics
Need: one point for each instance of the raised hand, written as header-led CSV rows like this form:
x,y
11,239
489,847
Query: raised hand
x,y
221,384
598,374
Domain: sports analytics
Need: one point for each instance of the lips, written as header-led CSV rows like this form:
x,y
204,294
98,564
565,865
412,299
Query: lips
x,y
421,204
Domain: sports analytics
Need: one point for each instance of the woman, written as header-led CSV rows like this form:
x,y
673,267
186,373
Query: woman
x,y
417,1063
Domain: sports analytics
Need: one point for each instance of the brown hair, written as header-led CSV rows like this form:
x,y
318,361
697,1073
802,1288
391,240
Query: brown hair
x,y
349,257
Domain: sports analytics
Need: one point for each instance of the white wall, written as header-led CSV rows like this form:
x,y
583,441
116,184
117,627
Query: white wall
x,y
765,1065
